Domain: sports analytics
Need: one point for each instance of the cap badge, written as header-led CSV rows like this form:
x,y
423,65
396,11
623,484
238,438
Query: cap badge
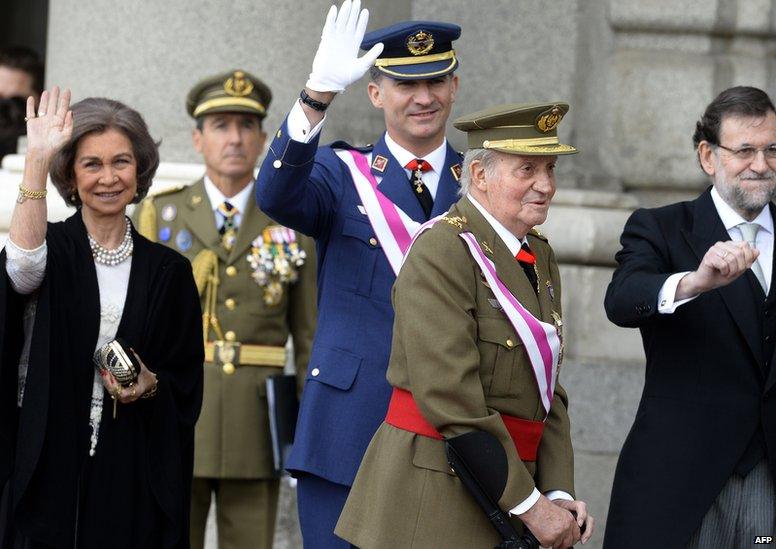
x,y
549,119
237,85
420,43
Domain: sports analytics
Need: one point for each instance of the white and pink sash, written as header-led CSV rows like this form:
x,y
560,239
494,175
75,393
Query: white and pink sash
x,y
394,229
541,340
396,232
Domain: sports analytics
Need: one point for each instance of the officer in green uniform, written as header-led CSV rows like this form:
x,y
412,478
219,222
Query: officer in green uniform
x,y
257,284
461,360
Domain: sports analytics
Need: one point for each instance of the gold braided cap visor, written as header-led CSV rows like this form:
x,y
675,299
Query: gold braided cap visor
x,y
383,63
415,60
225,104
518,140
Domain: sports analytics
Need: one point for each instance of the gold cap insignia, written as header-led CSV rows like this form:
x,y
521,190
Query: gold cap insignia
x,y
237,85
549,119
420,43
379,163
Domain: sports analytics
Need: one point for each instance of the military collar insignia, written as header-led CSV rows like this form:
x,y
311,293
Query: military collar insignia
x,y
456,169
195,200
379,163
549,119
237,85
420,43
486,247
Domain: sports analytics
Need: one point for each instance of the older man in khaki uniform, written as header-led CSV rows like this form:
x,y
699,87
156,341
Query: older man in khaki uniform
x,y
257,284
461,363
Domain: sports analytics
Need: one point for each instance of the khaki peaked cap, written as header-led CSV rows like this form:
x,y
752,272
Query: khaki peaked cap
x,y
529,129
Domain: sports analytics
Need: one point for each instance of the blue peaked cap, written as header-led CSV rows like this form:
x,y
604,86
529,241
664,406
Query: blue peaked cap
x,y
415,50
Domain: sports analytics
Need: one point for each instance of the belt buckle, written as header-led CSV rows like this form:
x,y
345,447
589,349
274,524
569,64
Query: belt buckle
x,y
227,355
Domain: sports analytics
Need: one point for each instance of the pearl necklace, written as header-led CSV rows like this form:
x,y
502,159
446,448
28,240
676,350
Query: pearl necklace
x,y
117,255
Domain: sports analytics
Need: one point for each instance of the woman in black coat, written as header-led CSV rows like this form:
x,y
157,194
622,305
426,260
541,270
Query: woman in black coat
x,y
85,462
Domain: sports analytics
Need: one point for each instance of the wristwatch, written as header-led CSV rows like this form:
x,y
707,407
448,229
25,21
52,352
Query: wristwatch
x,y
312,103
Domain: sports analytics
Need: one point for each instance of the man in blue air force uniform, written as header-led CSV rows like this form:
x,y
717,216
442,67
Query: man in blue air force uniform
x,y
311,190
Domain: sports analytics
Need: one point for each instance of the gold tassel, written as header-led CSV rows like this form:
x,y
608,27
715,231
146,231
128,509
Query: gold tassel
x,y
147,220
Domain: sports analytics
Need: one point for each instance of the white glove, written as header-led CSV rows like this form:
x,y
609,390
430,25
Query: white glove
x,y
336,64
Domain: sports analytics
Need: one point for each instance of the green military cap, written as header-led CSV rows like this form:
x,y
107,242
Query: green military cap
x,y
529,129
233,91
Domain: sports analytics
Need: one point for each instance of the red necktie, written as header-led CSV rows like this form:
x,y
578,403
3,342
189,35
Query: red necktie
x,y
417,166
527,261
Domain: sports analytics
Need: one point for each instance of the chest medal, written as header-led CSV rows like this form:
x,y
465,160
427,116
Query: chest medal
x,y
275,258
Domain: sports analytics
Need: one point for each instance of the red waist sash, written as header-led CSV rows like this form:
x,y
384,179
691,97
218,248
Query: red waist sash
x,y
404,414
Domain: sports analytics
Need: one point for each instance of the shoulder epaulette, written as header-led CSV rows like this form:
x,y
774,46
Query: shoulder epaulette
x,y
168,190
456,221
535,232
343,145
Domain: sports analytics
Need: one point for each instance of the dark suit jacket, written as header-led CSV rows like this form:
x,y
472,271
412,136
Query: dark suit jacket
x,y
707,385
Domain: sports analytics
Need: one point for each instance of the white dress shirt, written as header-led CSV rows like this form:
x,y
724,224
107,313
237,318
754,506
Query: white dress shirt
x,y
241,201
514,244
730,219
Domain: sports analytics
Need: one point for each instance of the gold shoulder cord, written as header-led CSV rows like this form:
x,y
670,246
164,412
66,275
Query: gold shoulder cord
x,y
205,269
147,224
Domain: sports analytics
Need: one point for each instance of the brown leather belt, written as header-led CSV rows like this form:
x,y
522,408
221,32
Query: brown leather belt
x,y
241,354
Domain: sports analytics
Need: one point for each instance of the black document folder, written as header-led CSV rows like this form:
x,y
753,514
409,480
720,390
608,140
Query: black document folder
x,y
283,409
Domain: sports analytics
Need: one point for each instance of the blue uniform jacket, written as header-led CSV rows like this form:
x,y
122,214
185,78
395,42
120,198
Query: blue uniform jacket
x,y
346,394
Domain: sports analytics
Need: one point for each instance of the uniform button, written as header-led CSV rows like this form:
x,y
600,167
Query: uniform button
x,y
663,303
315,372
231,270
373,241
277,164
230,336
768,338
230,304
228,368
510,343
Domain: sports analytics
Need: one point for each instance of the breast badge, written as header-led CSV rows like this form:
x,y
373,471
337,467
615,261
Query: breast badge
x,y
275,259
169,211
183,240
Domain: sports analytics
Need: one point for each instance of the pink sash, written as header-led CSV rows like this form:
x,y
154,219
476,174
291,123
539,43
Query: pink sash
x,y
394,228
541,339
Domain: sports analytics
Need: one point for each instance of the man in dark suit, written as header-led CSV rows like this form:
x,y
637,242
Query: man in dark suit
x,y
697,467
313,190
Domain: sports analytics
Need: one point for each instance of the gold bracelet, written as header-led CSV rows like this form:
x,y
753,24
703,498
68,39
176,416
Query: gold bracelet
x,y
152,391
25,193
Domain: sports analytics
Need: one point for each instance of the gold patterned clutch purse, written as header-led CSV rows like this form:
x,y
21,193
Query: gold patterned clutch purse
x,y
116,358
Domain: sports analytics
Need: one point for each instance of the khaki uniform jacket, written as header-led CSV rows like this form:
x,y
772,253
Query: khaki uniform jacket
x,y
461,359
232,438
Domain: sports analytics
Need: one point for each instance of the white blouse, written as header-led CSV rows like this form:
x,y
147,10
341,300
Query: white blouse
x,y
26,270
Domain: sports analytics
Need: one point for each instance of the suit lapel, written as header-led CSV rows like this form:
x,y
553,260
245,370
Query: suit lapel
x,y
507,268
739,296
395,184
200,219
447,191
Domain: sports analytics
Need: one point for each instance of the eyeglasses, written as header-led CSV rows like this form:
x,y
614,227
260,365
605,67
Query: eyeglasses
x,y
747,154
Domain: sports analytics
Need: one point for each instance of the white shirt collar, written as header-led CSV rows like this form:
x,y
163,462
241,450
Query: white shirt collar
x,y
239,201
436,157
512,242
731,218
